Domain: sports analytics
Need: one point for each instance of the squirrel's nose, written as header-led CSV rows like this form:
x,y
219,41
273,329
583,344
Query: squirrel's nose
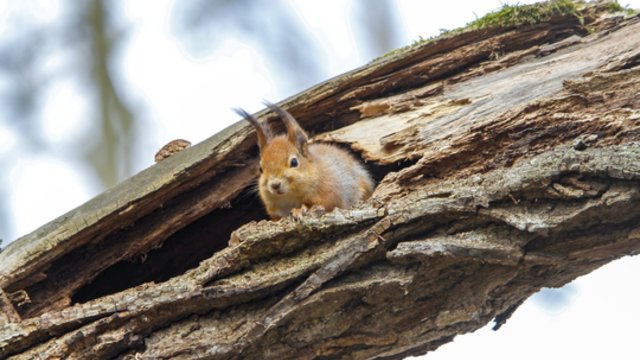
x,y
275,185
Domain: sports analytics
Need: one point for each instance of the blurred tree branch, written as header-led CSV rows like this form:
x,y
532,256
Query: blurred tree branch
x,y
84,38
111,153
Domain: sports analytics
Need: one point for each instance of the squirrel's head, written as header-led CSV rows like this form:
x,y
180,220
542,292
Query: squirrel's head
x,y
285,167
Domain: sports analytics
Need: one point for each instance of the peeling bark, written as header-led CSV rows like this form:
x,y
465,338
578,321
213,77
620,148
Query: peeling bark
x,y
507,161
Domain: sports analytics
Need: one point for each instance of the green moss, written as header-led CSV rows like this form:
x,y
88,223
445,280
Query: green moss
x,y
516,15
509,16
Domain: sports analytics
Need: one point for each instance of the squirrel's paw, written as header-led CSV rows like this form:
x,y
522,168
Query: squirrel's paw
x,y
298,213
316,210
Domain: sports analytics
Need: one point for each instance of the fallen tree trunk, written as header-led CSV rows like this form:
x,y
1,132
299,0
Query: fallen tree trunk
x,y
507,160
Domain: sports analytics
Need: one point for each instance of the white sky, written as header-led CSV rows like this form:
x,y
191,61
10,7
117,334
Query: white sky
x,y
192,101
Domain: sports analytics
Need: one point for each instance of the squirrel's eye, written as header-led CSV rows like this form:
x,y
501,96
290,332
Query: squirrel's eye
x,y
260,169
294,162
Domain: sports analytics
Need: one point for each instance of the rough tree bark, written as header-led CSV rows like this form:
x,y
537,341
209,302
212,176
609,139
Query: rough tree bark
x,y
507,160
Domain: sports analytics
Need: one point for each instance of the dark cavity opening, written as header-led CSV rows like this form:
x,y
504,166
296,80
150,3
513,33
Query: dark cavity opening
x,y
182,251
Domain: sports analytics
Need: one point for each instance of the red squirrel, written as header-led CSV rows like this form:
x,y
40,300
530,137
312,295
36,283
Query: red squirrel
x,y
295,173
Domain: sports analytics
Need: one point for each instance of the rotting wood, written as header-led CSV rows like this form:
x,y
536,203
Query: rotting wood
x,y
8,313
135,244
484,198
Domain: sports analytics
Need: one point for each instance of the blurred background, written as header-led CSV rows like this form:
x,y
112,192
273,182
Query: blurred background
x,y
90,90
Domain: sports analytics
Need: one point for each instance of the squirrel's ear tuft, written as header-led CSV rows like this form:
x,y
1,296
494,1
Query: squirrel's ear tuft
x,y
264,135
295,133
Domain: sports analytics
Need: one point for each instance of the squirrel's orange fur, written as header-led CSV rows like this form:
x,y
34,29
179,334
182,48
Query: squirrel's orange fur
x,y
296,173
